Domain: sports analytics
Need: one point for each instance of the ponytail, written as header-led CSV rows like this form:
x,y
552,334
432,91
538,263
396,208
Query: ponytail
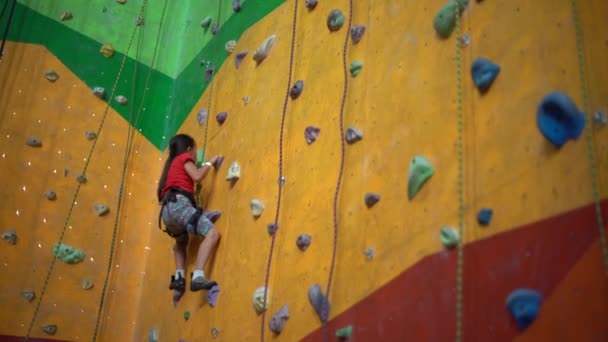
x,y
178,145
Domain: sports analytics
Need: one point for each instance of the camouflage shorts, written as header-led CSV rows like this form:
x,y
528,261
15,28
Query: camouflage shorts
x,y
177,214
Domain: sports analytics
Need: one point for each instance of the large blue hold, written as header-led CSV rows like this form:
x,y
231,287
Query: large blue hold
x,y
558,119
524,305
484,72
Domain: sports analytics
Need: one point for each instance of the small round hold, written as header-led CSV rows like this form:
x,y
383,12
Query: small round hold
x,y
107,50
296,89
87,284
356,33
201,116
371,199
311,4
90,135
230,45
215,332
121,100
33,142
101,209
303,241
100,92
355,68
81,178
50,195
221,117
51,75
335,20
257,207
272,228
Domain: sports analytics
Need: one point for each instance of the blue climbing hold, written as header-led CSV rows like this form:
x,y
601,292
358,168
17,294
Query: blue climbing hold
x,y
484,216
484,72
524,305
559,120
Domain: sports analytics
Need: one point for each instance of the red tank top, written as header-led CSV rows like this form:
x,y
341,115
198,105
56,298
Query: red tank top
x,y
177,175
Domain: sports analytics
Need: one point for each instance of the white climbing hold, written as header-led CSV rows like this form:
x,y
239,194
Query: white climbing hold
x,y
51,75
101,209
258,299
121,100
230,45
100,92
262,52
234,172
257,207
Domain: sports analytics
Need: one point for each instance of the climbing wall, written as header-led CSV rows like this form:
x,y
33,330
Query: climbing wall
x,y
402,262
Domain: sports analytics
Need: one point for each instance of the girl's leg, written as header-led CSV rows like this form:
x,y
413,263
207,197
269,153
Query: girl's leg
x,y
180,250
206,247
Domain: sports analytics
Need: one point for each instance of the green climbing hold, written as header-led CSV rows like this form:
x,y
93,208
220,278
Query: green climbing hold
x,y
335,20
67,254
445,20
200,157
345,332
420,171
449,237
187,315
355,68
86,284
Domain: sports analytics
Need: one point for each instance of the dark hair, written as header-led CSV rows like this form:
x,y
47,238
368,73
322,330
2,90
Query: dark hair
x,y
178,145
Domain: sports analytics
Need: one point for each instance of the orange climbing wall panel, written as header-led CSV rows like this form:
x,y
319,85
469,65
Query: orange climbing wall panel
x,y
404,101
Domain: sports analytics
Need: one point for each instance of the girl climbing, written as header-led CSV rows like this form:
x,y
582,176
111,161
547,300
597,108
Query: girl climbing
x,y
180,213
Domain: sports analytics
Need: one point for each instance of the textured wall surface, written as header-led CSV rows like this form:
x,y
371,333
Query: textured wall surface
x,y
544,234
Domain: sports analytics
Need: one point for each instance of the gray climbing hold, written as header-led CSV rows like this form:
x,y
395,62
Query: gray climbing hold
x,y
87,284
272,228
33,142
230,45
81,178
257,207
100,92
28,295
319,302
90,135
371,198
239,57
234,172
101,209
355,68
49,329
600,119
277,323
209,73
449,237
369,253
262,52
10,236
50,195
66,172
258,299
311,4
356,33
51,75
335,20
214,29
303,241
121,100
236,5
296,89
205,23
246,100
353,135
67,254
218,162
221,117
420,171
153,335
311,133
201,116
215,332
65,16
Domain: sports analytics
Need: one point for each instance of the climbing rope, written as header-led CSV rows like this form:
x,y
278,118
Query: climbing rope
x,y
86,165
281,179
589,134
128,148
341,171
8,24
460,261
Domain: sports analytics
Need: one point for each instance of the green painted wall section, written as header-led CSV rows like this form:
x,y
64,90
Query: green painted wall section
x,y
107,21
169,100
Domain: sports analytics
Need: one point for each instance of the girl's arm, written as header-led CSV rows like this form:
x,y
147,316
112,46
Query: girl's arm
x,y
195,173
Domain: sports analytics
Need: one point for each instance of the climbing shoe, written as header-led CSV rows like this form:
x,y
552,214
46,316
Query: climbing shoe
x,y
201,283
178,284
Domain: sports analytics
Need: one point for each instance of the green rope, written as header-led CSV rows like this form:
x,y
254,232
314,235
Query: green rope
x,y
86,165
460,262
589,134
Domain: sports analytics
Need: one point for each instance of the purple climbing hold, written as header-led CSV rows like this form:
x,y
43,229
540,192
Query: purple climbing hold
x,y
272,228
177,295
218,162
212,215
311,4
296,89
356,33
353,135
303,241
214,29
319,302
236,5
311,133
208,74
212,295
371,199
238,58
202,116
277,323
221,117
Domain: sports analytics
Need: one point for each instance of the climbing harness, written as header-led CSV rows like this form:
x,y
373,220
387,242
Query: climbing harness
x,y
593,170
88,160
281,177
460,260
171,196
